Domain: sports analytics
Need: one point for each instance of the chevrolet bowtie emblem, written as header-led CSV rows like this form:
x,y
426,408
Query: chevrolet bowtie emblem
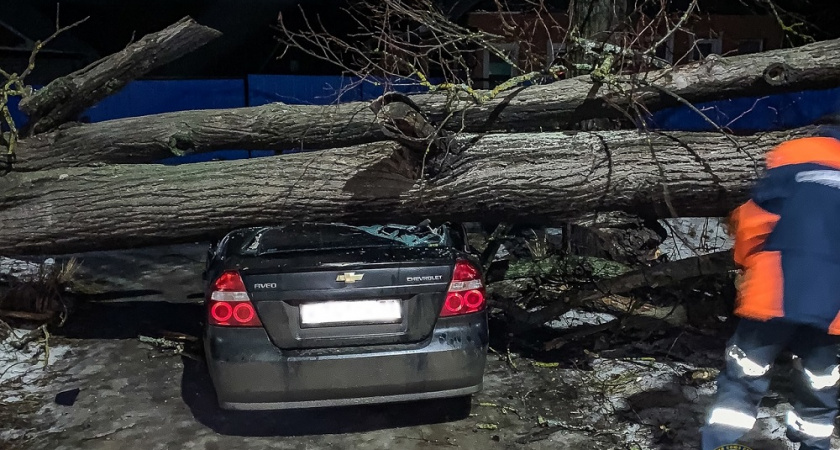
x,y
349,277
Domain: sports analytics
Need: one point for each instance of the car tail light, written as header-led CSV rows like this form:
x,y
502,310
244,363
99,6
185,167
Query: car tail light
x,y
466,291
229,304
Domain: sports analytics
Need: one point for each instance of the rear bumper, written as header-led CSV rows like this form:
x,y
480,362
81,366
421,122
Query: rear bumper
x,y
250,372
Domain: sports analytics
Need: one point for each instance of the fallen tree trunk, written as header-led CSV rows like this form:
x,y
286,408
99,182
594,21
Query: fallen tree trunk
x,y
65,98
561,104
148,139
544,178
282,127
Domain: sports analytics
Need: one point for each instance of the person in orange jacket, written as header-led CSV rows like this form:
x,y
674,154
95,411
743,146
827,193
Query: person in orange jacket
x,y
787,242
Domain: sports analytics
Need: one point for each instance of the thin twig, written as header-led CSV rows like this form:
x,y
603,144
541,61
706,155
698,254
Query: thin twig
x,y
690,10
40,45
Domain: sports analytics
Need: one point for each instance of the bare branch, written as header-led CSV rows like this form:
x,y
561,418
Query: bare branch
x,y
688,12
40,45
15,86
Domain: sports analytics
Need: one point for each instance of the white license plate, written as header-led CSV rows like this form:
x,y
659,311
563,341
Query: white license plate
x,y
361,311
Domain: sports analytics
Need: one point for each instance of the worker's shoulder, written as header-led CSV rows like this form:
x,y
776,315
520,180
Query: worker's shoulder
x,y
813,149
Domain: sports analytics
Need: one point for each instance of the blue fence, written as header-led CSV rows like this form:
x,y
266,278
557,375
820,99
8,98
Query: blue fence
x,y
300,90
146,97
322,90
17,115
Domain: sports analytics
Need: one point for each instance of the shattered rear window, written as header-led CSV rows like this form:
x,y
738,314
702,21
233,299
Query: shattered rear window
x,y
412,236
319,237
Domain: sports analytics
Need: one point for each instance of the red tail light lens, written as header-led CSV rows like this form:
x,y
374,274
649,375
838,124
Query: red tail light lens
x,y
221,312
466,291
229,287
474,299
464,271
244,312
454,302
229,304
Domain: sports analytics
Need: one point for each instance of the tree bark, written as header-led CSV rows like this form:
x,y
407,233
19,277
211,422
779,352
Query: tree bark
x,y
282,127
147,139
542,178
65,98
561,104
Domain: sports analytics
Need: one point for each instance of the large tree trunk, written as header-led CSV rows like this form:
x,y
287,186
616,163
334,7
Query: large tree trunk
x,y
280,127
561,104
65,98
545,177
147,139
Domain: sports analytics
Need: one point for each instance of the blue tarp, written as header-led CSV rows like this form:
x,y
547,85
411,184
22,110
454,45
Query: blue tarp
x,y
752,114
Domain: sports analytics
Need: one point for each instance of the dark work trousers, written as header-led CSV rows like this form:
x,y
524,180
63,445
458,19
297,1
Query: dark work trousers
x,y
745,380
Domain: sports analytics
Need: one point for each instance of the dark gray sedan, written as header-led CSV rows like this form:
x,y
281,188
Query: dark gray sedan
x,y
314,315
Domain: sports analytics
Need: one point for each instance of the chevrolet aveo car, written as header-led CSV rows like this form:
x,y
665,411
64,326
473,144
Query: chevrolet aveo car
x,y
314,315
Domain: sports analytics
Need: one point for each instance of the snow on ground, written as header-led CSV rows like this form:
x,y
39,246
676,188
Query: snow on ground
x,y
576,317
693,236
23,377
25,366
21,269
128,390
132,396
659,406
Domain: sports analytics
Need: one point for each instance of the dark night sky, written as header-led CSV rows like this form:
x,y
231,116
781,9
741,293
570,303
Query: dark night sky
x,y
248,45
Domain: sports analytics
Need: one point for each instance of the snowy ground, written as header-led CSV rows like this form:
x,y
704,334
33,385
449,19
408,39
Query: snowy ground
x,y
576,318
23,375
23,269
27,365
104,389
689,237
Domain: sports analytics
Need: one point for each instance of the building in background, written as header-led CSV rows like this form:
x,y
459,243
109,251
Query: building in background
x,y
533,41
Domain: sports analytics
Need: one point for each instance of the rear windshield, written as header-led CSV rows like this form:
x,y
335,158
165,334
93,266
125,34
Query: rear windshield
x,y
316,237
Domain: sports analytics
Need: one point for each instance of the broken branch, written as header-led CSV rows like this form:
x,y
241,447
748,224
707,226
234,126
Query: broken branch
x,y
64,98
